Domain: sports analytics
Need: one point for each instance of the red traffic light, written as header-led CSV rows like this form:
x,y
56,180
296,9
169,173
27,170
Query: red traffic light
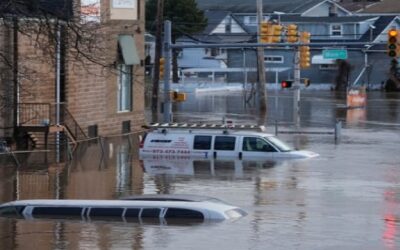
x,y
286,84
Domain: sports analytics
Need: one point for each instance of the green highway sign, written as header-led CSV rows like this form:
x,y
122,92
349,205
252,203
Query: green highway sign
x,y
334,54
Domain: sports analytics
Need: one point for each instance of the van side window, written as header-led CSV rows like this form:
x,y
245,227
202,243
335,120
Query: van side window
x,y
256,145
202,142
224,143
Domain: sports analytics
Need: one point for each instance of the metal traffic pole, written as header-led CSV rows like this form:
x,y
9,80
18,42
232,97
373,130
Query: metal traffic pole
x,y
296,87
167,72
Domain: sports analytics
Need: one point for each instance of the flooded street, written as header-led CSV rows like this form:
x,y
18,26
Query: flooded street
x,y
347,198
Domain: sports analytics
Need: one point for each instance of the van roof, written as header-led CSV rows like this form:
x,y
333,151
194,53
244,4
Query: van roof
x,y
210,132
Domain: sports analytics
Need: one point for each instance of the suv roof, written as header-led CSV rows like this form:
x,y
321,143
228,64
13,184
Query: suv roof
x,y
171,197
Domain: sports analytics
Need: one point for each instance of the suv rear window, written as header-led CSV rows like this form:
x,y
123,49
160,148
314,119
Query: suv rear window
x,y
224,143
202,142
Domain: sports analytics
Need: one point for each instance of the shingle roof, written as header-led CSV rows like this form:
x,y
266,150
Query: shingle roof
x,y
337,19
240,6
214,17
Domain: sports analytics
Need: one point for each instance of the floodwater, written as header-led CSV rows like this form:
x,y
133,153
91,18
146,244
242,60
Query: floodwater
x,y
348,198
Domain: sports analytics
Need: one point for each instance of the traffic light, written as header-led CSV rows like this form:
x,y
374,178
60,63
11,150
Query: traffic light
x,y
392,43
307,82
286,84
276,33
292,34
162,61
265,30
305,55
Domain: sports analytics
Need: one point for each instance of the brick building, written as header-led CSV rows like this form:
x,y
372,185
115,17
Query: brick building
x,y
99,85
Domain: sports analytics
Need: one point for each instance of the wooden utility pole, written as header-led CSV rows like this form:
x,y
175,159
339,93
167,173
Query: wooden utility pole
x,y
157,56
15,75
261,91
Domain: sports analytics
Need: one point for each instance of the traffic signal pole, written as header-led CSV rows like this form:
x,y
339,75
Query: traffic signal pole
x,y
296,89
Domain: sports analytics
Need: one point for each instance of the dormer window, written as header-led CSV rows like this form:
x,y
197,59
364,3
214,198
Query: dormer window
x,y
336,30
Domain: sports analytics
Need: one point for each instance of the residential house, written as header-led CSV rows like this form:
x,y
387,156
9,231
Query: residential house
x,y
327,21
100,91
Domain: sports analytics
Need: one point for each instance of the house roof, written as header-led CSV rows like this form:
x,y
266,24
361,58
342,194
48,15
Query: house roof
x,y
367,6
240,6
337,19
380,25
214,18
35,8
384,6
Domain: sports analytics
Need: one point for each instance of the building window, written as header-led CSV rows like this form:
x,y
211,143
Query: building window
x,y
273,59
250,20
336,30
328,67
124,88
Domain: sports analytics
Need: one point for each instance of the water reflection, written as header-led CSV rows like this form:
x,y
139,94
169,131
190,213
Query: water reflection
x,y
186,166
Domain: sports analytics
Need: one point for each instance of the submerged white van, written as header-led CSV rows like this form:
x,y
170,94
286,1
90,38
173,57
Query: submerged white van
x,y
213,141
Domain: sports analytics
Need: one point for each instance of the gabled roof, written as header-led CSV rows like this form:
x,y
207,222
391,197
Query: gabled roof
x,y
37,8
367,6
384,6
214,18
336,19
379,26
240,6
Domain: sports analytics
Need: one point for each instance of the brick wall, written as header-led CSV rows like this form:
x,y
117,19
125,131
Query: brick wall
x,y
90,88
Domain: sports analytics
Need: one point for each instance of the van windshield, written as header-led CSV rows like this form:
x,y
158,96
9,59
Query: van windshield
x,y
278,143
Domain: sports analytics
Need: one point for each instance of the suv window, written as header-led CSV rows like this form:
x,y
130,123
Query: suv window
x,y
104,211
61,211
255,144
183,213
202,142
150,212
224,143
11,210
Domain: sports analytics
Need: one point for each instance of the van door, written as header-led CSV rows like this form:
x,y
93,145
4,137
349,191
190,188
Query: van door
x,y
224,146
202,146
257,147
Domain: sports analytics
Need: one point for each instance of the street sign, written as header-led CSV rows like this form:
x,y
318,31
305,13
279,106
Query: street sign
x,y
334,54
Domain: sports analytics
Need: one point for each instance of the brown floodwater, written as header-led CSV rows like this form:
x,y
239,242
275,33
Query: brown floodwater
x,y
348,198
